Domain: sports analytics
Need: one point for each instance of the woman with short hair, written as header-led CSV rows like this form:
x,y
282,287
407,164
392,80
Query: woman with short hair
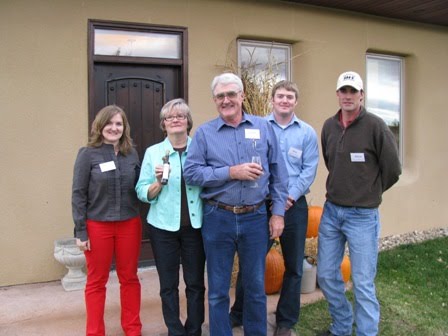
x,y
175,220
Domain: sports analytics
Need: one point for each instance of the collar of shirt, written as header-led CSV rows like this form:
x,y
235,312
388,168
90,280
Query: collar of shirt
x,y
168,146
294,120
246,118
349,121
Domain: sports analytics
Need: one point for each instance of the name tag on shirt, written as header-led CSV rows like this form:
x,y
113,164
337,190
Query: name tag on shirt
x,y
294,152
107,166
357,157
252,133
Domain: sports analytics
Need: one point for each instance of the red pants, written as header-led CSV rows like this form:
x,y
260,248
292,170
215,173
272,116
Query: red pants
x,y
122,239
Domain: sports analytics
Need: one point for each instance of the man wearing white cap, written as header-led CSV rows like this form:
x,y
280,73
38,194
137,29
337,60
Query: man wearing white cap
x,y
361,156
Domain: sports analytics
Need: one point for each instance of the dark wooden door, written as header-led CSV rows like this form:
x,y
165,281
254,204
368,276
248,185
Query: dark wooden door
x,y
141,90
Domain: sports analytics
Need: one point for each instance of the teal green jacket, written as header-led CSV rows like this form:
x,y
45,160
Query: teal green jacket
x,y
164,212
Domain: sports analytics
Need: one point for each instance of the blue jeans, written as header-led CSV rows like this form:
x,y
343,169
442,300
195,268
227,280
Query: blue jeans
x,y
359,227
225,233
171,249
292,242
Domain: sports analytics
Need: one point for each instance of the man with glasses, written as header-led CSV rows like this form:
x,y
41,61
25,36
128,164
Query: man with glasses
x,y
361,156
298,143
234,193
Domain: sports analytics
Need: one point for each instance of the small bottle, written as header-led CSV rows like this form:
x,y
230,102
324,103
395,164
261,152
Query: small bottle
x,y
166,167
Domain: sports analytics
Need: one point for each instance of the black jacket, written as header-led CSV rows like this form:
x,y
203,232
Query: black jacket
x,y
107,195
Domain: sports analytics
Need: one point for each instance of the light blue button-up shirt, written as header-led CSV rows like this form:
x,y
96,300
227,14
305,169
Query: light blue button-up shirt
x,y
298,143
217,146
165,209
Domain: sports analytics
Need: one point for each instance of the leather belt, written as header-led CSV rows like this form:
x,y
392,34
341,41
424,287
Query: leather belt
x,y
236,209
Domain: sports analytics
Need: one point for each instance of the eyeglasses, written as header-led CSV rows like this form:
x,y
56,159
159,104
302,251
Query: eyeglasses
x,y
230,94
178,117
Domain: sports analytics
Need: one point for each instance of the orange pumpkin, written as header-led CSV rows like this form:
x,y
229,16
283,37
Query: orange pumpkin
x,y
346,268
275,269
314,215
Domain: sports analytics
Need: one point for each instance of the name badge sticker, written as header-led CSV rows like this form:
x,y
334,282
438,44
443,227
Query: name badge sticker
x,y
251,133
357,157
107,166
295,152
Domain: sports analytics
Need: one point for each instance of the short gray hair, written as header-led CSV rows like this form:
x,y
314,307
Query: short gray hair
x,y
227,78
182,106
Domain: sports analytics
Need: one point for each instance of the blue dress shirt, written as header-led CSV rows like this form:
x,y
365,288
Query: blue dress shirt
x,y
217,146
299,146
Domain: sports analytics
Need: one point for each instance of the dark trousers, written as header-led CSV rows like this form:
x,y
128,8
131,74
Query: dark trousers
x,y
171,249
292,242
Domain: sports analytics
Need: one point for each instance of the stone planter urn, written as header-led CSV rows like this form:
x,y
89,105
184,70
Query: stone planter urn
x,y
68,254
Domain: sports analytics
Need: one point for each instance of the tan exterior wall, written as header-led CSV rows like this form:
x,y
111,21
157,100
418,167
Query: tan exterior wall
x,y
43,80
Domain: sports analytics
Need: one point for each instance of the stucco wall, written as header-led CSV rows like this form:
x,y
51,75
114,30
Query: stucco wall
x,y
43,80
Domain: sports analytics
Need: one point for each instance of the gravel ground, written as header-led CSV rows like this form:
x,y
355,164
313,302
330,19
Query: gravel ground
x,y
385,243
389,242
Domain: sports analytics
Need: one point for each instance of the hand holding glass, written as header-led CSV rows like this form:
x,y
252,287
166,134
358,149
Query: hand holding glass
x,y
256,159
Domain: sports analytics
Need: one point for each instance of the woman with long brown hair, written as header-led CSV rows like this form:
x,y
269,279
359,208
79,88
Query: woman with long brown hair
x,y
106,215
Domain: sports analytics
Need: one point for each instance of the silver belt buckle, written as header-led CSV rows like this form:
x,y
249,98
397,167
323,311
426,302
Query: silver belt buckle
x,y
237,209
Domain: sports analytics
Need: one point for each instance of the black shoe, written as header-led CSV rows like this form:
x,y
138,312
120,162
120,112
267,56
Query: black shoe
x,y
282,331
234,323
326,333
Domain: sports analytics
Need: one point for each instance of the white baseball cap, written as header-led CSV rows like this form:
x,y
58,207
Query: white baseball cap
x,y
350,78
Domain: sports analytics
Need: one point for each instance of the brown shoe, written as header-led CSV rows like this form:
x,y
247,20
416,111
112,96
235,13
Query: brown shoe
x,y
281,331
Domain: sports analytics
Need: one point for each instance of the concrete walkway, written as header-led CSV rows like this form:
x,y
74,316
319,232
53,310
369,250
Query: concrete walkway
x,y
46,309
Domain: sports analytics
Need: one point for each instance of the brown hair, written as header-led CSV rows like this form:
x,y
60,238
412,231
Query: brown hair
x,y
287,85
101,119
182,107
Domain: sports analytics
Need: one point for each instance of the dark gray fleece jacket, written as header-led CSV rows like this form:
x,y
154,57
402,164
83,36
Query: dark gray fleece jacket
x,y
362,160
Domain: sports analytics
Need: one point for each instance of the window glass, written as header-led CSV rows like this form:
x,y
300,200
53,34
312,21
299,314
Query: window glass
x,y
137,44
266,59
384,91
261,65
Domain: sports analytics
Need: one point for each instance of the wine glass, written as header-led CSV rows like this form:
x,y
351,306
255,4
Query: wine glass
x,y
256,159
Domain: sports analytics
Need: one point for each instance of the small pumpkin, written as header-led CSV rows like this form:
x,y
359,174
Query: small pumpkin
x,y
346,268
314,215
275,269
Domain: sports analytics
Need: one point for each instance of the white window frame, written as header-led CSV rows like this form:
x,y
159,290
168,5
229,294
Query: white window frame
x,y
370,91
